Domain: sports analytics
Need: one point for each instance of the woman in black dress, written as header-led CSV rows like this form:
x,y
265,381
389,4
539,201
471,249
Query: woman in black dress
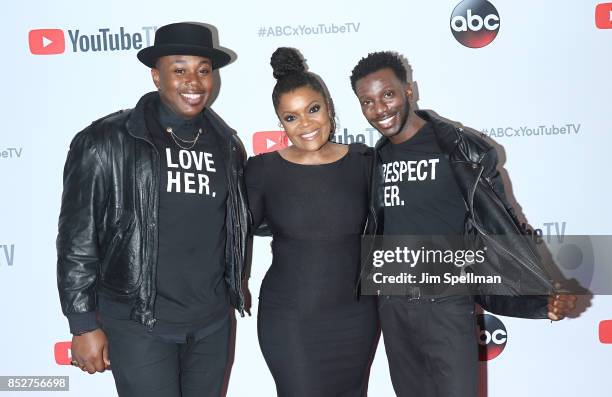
x,y
317,338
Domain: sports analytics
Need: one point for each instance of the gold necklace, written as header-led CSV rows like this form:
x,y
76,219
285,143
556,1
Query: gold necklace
x,y
186,141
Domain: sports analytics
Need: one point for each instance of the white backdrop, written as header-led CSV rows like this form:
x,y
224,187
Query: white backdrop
x,y
549,66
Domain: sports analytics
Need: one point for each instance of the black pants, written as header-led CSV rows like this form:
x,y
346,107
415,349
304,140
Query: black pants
x,y
147,366
431,345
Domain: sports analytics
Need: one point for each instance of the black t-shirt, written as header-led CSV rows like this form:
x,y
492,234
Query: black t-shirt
x,y
191,289
421,196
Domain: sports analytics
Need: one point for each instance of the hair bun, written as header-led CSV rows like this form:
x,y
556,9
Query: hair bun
x,y
286,61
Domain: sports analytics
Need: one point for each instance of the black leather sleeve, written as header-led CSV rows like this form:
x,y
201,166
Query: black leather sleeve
x,y
255,178
527,306
78,256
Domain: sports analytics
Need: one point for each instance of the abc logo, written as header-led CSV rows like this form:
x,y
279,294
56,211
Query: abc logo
x,y
492,337
475,23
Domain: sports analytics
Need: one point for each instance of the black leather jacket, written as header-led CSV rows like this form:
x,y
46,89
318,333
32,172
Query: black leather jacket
x,y
474,165
108,237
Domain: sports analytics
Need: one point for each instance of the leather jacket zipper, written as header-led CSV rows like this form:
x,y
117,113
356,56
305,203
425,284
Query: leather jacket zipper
x,y
238,279
487,237
150,322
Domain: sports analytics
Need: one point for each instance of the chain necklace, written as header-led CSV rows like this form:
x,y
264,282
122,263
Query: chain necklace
x,y
176,139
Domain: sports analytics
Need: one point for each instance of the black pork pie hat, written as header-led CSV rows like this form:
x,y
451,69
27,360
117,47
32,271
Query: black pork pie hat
x,y
184,38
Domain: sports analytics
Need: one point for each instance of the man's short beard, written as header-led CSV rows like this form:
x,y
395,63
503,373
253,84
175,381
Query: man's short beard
x,y
406,116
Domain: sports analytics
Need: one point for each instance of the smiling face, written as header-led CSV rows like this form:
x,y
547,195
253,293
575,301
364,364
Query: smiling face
x,y
184,83
304,114
385,102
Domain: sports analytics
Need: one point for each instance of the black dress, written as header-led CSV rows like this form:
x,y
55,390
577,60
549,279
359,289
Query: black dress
x,y
316,337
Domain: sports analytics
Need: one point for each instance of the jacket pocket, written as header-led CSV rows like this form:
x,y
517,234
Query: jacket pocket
x,y
121,266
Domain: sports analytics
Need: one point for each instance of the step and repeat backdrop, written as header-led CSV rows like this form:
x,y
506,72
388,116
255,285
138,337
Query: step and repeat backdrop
x,y
532,76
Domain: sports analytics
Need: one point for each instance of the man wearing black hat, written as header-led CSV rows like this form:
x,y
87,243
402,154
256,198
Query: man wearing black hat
x,y
153,228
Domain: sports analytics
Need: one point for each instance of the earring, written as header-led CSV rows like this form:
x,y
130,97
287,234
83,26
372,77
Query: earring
x,y
280,125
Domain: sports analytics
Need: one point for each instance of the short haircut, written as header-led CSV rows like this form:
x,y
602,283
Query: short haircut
x,y
376,61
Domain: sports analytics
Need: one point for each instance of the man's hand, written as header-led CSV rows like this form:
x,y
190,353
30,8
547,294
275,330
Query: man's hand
x,y
559,305
90,351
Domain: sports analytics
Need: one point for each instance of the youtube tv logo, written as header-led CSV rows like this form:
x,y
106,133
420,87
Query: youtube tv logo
x,y
269,141
603,16
62,353
46,41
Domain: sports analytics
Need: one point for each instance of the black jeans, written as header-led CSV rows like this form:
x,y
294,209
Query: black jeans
x,y
431,345
147,366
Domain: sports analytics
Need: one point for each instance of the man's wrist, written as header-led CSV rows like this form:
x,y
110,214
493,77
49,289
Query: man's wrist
x,y
81,323
80,333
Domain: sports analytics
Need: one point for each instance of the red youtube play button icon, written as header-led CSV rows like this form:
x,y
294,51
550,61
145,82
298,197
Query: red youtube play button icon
x,y
46,41
269,141
62,353
605,331
603,16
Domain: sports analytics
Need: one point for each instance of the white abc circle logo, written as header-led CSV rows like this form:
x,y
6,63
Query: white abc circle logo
x,y
492,337
474,22
497,337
